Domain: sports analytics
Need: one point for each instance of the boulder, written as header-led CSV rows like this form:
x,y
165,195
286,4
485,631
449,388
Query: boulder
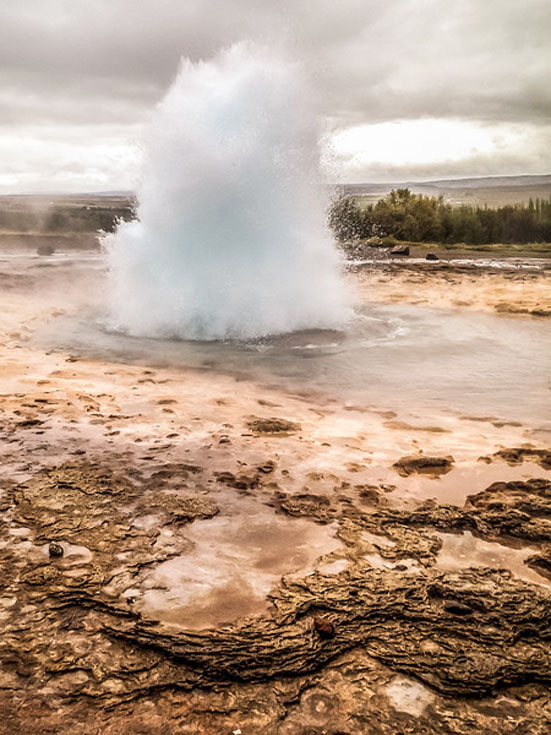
x,y
400,250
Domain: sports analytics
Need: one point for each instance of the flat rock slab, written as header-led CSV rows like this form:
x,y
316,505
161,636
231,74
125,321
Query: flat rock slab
x,y
423,465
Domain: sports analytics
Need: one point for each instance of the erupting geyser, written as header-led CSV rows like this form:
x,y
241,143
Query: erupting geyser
x,y
231,240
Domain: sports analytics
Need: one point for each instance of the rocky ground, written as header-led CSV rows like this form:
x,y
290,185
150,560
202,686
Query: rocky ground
x,y
455,280
186,553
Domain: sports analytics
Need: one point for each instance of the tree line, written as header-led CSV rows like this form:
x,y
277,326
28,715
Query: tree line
x,y
404,216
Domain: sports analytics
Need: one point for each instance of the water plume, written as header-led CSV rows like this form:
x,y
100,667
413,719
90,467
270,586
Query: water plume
x,y
231,240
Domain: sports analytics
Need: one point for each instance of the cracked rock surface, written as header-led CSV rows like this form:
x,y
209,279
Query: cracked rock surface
x,y
72,632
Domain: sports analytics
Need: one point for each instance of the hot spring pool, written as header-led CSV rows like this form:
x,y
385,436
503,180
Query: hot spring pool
x,y
396,355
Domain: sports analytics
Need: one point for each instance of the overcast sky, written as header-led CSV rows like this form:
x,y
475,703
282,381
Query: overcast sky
x,y
412,89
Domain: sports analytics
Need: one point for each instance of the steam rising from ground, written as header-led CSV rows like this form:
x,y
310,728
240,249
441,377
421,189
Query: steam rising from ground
x,y
231,241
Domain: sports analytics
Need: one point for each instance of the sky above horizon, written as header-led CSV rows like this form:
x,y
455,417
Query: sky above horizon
x,y
406,89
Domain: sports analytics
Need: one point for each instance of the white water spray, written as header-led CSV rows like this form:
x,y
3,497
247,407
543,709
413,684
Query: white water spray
x,y
231,240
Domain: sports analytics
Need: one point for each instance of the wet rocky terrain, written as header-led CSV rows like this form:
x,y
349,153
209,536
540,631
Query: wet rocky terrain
x,y
185,550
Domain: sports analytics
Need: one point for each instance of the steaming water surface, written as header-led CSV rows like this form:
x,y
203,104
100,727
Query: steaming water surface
x,y
231,244
394,355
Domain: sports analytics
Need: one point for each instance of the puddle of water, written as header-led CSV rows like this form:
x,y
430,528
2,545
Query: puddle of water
x,y
462,551
377,539
464,480
333,567
411,566
408,696
452,359
234,563
146,522
72,554
19,532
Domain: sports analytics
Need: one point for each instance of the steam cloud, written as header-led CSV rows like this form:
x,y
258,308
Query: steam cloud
x,y
231,240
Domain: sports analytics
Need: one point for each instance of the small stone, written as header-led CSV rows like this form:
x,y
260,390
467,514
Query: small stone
x,y
400,250
431,256
55,550
324,627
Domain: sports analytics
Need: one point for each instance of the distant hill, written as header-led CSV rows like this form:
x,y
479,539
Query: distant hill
x,y
487,182
493,191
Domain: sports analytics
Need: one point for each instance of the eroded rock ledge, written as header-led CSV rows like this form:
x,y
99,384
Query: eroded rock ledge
x,y
69,633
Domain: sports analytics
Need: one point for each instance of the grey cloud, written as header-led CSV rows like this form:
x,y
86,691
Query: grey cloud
x,y
533,159
399,58
107,62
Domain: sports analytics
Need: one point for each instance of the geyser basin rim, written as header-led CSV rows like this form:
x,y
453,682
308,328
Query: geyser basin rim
x,y
354,334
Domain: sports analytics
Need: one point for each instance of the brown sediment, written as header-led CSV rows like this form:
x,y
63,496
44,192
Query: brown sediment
x,y
74,622
318,507
403,425
422,464
462,633
517,455
273,426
